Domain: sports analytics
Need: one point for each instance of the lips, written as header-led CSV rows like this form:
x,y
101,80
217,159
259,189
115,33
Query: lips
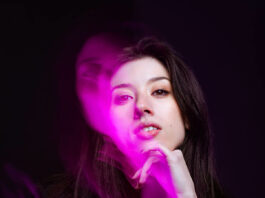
x,y
147,130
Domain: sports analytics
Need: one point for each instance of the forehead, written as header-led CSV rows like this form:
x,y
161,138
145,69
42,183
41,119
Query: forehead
x,y
99,49
139,71
97,58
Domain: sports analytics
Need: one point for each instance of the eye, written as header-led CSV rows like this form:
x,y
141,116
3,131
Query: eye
x,y
122,99
160,92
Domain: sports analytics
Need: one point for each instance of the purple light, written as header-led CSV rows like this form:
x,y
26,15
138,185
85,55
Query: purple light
x,y
96,64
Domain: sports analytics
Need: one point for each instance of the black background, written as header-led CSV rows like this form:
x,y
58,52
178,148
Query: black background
x,y
222,42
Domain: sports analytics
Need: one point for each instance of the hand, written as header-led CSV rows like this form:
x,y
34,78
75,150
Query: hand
x,y
163,163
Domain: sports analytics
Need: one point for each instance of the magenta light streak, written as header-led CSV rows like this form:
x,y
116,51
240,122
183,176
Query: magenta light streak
x,y
96,61
18,184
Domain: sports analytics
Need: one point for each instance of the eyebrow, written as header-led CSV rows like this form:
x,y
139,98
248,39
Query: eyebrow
x,y
123,85
90,60
128,85
89,66
157,78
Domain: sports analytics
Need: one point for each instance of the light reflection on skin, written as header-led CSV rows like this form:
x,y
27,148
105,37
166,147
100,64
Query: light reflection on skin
x,y
142,94
142,98
138,95
95,61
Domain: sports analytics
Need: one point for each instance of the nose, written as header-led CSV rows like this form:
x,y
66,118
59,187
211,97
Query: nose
x,y
142,108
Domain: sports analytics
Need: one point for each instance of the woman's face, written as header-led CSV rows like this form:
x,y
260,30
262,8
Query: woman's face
x,y
143,106
96,59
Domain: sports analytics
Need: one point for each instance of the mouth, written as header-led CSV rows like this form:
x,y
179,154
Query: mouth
x,y
147,130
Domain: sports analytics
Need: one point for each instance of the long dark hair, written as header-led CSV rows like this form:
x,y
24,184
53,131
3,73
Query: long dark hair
x,y
92,177
197,147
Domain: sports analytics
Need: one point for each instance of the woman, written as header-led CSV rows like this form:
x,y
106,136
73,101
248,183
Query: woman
x,y
148,133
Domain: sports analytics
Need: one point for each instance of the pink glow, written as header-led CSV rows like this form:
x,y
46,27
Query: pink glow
x,y
17,184
95,64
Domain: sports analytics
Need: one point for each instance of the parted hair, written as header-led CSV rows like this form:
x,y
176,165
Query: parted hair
x,y
92,177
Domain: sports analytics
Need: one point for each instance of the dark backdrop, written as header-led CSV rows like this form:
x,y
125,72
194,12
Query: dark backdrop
x,y
220,40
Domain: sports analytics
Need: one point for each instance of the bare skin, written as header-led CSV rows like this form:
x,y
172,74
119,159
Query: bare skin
x,y
137,99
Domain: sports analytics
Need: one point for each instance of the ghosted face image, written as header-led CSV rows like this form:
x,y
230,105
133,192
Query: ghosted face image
x,y
132,105
95,61
143,106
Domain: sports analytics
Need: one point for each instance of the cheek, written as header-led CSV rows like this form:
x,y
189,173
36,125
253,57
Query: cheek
x,y
174,132
122,116
176,121
122,121
167,109
94,113
95,109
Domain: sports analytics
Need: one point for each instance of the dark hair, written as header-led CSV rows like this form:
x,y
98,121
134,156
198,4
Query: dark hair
x,y
93,177
197,148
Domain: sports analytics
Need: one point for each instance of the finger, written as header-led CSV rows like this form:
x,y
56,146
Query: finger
x,y
179,170
137,174
152,149
146,168
173,157
148,146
